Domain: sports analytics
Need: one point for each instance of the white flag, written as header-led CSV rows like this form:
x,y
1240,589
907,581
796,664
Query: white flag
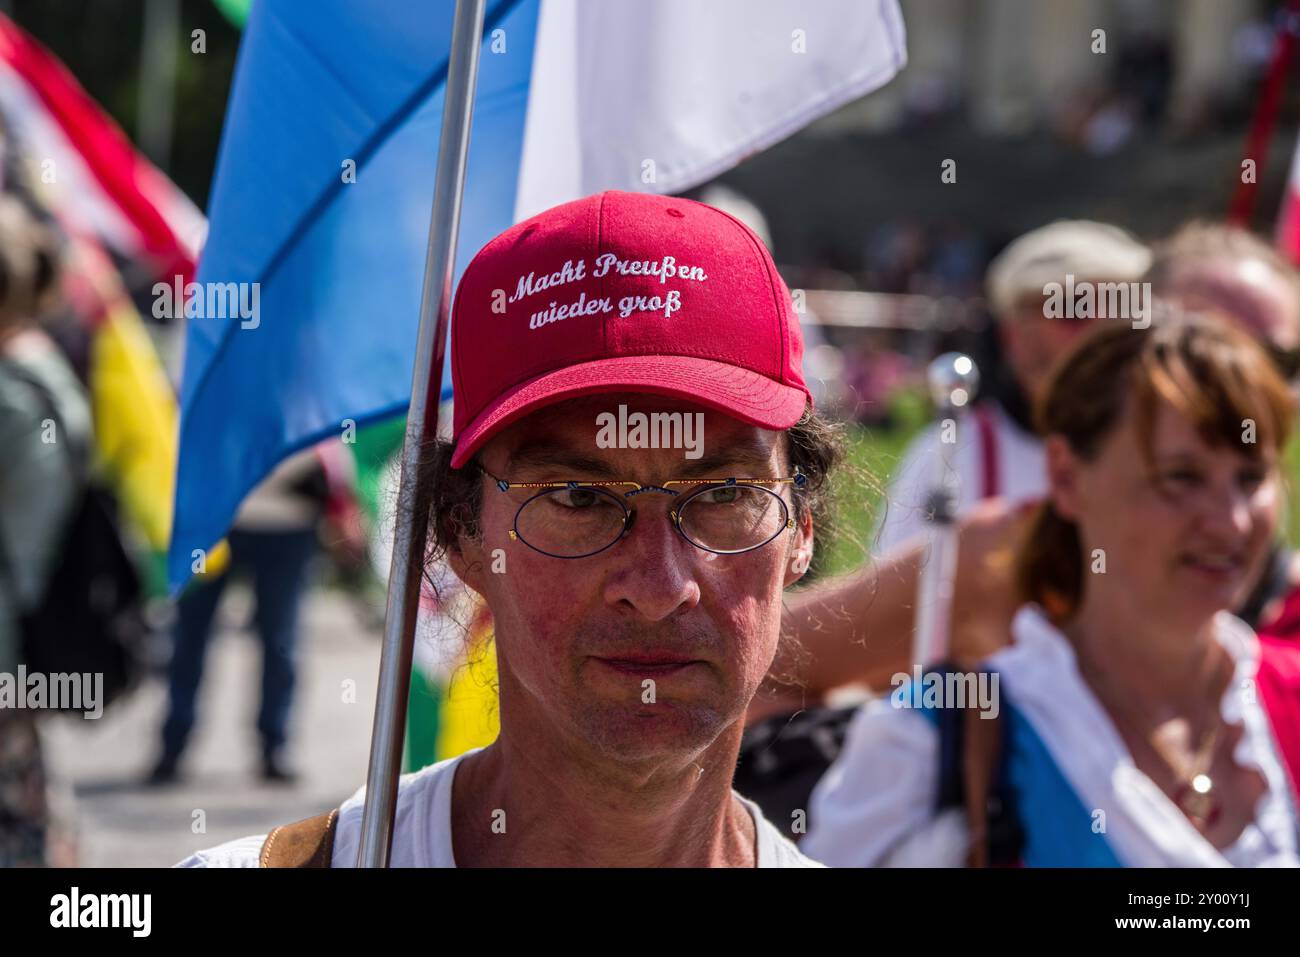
x,y
661,96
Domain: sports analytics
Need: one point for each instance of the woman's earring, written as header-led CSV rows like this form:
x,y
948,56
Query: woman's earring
x,y
800,564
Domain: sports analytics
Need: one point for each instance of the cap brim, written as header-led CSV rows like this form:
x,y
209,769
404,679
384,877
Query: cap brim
x,y
741,393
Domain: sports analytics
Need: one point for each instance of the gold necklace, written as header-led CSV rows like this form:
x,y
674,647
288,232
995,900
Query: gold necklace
x,y
1195,795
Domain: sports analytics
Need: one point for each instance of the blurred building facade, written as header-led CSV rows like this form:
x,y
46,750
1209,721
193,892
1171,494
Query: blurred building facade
x,y
1013,65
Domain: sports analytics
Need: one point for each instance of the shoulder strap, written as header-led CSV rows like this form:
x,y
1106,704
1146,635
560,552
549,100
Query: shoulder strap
x,y
990,486
308,843
973,776
981,763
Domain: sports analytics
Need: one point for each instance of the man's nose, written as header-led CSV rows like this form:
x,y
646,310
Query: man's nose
x,y
653,571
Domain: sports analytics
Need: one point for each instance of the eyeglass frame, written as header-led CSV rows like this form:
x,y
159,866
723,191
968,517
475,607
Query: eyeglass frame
x,y
798,480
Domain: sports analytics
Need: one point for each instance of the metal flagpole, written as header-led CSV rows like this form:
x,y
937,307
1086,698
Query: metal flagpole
x,y
953,381
411,529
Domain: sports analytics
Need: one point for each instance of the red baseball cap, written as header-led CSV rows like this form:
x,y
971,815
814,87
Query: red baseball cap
x,y
623,292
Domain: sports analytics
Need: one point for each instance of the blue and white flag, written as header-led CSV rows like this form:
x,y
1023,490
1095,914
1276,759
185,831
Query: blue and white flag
x,y
319,211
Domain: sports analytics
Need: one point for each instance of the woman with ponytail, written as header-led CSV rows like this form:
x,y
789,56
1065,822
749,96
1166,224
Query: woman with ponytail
x,y
1133,721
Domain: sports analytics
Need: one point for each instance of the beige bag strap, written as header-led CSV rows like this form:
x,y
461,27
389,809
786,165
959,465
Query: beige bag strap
x,y
981,755
308,843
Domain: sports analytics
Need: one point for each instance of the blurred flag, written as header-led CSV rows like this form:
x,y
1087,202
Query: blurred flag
x,y
132,399
236,11
325,176
89,172
1288,219
107,198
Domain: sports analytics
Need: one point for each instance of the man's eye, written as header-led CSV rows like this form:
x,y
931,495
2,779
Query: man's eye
x,y
722,495
575,498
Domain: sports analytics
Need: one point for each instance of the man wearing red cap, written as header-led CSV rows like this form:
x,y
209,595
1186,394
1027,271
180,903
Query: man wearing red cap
x,y
635,583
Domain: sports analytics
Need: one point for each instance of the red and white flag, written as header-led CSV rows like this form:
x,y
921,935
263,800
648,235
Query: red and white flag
x,y
88,172
1288,219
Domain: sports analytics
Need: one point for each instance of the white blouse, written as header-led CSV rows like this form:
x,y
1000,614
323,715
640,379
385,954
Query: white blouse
x,y
876,805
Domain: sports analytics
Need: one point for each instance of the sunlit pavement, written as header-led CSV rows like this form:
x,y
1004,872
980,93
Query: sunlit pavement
x,y
118,822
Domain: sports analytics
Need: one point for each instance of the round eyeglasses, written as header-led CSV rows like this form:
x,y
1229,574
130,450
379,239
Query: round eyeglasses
x,y
580,519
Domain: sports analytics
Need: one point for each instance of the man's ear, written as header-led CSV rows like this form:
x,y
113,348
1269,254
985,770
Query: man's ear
x,y
465,558
802,552
1063,467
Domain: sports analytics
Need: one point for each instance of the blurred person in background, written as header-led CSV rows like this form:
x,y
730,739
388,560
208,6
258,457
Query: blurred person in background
x,y
1230,273
856,628
1213,269
1139,723
997,453
45,434
272,542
